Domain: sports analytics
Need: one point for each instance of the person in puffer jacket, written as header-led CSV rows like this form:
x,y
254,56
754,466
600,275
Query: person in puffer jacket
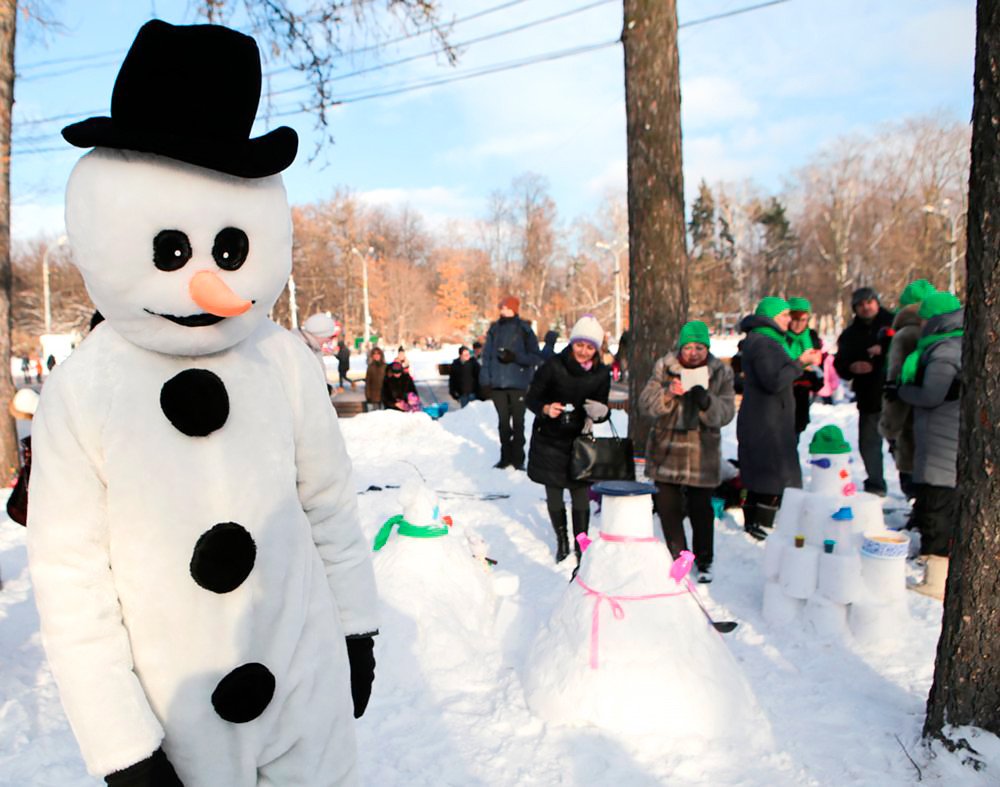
x,y
930,382
896,422
510,355
684,448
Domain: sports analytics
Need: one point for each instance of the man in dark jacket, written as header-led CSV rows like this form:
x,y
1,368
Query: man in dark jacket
x,y
463,379
860,358
397,387
510,355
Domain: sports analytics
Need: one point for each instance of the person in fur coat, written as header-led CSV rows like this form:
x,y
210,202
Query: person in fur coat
x,y
896,422
568,393
206,595
684,448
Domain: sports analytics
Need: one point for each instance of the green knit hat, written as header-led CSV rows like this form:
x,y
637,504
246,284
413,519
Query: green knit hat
x,y
694,331
915,292
829,440
938,303
770,306
799,305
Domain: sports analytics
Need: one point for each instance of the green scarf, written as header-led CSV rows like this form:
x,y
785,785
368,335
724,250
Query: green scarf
x,y
798,343
406,529
778,336
908,374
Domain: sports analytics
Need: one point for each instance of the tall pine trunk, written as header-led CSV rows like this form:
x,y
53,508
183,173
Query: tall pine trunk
x,y
966,687
658,292
8,434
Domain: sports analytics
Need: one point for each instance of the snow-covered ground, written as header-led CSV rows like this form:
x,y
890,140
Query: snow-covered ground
x,y
839,714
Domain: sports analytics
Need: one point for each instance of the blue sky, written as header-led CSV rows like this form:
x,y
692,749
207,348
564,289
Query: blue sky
x,y
761,93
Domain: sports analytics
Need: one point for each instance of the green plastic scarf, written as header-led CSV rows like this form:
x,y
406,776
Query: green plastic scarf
x,y
778,336
908,374
406,529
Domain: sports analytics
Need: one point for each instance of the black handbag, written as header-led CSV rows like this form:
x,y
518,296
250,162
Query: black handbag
x,y
602,458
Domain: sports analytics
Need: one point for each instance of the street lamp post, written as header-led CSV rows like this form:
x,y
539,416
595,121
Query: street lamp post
x,y
364,289
615,251
952,219
46,291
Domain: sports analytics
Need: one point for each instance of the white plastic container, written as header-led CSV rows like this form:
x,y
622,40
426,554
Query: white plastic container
x,y
840,577
799,571
788,521
816,517
780,609
827,619
774,548
878,624
883,564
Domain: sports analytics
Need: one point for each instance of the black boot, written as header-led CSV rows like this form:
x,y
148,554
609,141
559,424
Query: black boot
x,y
581,524
558,519
766,515
751,511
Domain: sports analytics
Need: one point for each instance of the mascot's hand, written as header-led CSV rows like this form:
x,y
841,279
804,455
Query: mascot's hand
x,y
154,771
361,654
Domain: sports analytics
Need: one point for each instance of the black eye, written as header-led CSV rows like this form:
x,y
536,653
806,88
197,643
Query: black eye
x,y
171,250
230,248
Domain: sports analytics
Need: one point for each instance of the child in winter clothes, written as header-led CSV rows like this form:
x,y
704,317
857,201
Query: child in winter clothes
x,y
397,388
684,449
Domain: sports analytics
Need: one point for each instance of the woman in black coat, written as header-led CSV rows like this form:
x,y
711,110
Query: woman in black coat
x,y
568,392
765,426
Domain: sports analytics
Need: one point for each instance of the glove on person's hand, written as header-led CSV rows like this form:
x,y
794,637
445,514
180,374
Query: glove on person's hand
x,y
700,397
891,391
361,655
595,410
506,356
154,771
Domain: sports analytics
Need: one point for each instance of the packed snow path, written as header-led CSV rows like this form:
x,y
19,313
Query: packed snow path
x,y
835,710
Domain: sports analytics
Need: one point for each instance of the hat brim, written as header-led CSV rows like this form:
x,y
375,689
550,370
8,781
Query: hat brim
x,y
266,155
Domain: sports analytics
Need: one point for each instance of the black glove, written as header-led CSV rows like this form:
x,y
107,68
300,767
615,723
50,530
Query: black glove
x,y
891,390
954,390
506,356
361,655
154,771
700,397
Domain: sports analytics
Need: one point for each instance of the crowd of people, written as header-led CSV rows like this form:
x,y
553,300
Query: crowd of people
x,y
903,368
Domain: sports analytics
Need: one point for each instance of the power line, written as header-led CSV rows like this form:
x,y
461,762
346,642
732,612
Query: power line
x,y
486,70
421,85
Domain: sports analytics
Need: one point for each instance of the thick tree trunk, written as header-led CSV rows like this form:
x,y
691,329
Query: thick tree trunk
x,y
8,434
658,293
966,687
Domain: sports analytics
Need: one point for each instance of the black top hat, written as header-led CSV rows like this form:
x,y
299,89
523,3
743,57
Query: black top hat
x,y
190,93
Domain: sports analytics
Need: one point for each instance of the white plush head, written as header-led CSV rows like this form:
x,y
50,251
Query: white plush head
x,y
118,203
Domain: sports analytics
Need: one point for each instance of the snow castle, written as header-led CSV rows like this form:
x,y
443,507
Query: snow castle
x,y
628,649
831,565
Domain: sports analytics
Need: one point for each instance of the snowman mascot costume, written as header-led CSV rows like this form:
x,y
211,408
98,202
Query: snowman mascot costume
x,y
206,596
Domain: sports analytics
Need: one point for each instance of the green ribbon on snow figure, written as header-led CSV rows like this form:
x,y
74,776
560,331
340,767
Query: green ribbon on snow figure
x,y
406,529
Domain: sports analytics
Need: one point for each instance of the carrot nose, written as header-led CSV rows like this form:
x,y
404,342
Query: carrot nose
x,y
213,295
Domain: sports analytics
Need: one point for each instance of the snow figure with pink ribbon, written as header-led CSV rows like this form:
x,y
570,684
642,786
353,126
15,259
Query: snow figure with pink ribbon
x,y
630,647
831,565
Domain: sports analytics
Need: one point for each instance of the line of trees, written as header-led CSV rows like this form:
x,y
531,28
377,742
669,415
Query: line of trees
x,y
875,210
